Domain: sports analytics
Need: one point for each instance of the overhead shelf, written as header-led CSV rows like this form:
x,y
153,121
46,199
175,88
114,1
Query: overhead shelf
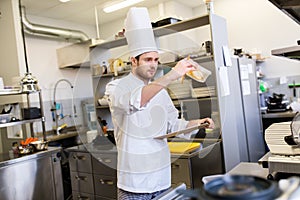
x,y
2,125
289,52
292,9
289,7
161,31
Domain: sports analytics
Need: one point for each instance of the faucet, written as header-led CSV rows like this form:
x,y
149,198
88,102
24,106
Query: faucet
x,y
53,109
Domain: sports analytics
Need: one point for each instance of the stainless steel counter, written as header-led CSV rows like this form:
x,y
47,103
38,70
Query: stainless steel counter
x,y
8,158
251,169
34,176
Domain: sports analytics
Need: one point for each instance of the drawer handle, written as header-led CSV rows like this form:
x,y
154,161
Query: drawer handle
x,y
107,160
107,182
79,157
83,178
175,166
79,197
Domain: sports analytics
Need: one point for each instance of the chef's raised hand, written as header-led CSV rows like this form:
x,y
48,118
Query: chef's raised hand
x,y
182,67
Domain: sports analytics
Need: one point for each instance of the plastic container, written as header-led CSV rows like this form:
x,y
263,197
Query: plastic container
x,y
5,118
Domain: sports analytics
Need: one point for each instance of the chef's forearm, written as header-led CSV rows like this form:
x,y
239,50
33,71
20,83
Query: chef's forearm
x,y
150,90
165,80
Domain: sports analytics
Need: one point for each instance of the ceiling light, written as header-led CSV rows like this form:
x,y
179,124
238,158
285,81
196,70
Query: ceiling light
x,y
64,1
120,5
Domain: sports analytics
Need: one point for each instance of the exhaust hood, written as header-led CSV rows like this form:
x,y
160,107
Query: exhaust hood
x,y
292,9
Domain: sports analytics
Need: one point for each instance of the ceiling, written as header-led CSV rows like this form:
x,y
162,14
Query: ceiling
x,y
83,11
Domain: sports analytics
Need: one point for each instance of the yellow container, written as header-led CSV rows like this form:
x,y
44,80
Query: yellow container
x,y
183,147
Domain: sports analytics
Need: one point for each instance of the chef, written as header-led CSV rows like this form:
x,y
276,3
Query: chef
x,y
141,110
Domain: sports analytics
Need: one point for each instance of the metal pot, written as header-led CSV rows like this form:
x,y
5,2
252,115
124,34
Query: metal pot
x,y
39,145
236,187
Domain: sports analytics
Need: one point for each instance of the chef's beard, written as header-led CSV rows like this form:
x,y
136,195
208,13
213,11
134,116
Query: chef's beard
x,y
146,72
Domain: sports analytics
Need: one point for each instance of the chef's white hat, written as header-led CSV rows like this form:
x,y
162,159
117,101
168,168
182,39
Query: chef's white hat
x,y
138,32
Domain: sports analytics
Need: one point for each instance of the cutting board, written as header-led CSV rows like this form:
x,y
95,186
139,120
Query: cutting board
x,y
183,147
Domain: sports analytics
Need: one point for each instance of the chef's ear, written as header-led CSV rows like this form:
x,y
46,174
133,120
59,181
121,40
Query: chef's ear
x,y
134,60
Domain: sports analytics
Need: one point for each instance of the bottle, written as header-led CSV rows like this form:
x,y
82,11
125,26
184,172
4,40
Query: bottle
x,y
93,121
104,126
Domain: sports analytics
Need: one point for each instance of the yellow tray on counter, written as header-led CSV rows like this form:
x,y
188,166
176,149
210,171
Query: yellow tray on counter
x,y
183,147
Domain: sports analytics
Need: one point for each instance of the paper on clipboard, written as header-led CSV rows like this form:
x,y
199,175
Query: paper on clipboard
x,y
187,130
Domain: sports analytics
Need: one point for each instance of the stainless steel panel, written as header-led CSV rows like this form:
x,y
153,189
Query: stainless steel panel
x,y
209,161
251,110
105,164
74,55
82,182
80,162
57,174
30,179
181,171
105,186
82,196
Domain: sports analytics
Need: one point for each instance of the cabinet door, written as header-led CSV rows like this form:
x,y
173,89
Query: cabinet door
x,y
80,162
28,179
105,164
82,196
82,182
181,172
103,198
105,186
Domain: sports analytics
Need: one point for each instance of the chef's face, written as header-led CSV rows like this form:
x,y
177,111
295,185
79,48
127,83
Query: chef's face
x,y
145,66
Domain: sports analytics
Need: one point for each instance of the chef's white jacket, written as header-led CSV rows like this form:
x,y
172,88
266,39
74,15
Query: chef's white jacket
x,y
143,162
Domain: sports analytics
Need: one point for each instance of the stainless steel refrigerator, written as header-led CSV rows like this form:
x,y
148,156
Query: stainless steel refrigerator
x,y
242,133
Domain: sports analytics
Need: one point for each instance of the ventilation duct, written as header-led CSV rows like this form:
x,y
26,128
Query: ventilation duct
x,y
51,32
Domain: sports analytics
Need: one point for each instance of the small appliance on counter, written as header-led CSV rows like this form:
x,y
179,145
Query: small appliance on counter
x,y
284,144
277,103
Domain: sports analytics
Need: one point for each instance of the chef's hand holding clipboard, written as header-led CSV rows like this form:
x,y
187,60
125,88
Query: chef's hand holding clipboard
x,y
204,123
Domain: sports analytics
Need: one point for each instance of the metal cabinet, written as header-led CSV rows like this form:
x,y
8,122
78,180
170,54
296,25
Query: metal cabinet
x,y
190,168
80,162
93,175
82,182
34,176
81,175
181,172
105,174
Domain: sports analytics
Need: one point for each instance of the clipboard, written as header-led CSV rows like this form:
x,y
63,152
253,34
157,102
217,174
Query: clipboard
x,y
187,130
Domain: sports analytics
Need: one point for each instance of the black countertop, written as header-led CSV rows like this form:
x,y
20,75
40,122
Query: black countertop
x,y
286,114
